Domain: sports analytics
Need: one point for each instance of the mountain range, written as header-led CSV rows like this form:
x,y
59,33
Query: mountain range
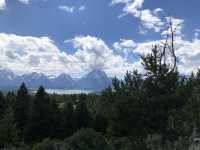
x,y
94,80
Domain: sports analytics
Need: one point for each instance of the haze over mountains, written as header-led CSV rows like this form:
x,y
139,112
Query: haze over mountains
x,y
94,80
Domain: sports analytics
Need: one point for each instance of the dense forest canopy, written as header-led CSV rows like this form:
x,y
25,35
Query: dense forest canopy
x,y
158,110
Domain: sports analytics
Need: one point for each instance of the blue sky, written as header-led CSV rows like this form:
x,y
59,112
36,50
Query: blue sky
x,y
76,36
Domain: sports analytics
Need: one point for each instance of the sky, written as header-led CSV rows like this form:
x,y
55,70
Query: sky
x,y
78,36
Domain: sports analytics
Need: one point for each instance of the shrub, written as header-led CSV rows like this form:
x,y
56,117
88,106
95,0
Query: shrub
x,y
86,139
45,145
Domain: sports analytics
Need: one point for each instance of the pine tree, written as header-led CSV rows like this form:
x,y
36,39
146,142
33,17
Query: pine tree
x,y
55,117
100,123
68,120
22,107
39,125
3,105
9,134
83,115
11,100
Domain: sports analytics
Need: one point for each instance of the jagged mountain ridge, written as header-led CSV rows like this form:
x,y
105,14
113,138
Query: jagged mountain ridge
x,y
94,80
96,76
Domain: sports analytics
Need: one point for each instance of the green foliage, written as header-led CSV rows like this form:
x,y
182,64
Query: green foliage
x,y
45,145
11,99
128,118
9,135
83,116
55,118
22,107
2,105
23,147
68,120
121,143
100,123
39,125
86,139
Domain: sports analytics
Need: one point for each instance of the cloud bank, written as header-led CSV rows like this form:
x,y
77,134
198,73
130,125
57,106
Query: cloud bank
x,y
24,54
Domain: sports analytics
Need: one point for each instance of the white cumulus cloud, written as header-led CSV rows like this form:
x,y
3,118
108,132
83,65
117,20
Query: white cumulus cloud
x,y
187,51
93,53
2,4
150,19
24,1
69,9
25,54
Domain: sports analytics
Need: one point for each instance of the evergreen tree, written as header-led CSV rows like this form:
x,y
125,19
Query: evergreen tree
x,y
100,123
22,107
68,120
3,105
9,135
129,118
11,100
83,116
55,117
39,125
